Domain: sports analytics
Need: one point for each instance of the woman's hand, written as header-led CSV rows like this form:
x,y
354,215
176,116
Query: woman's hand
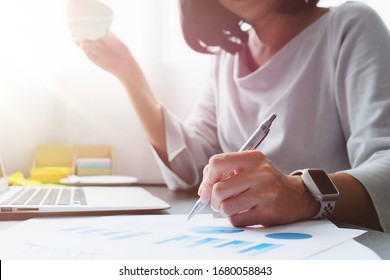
x,y
109,53
250,190
112,55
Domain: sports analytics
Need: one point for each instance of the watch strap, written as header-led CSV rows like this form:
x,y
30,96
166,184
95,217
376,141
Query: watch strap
x,y
326,207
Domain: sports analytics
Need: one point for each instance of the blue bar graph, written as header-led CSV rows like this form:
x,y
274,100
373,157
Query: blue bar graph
x,y
105,232
205,241
178,238
128,235
241,247
234,243
259,249
289,235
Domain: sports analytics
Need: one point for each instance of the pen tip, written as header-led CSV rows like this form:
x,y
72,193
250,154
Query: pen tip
x,y
188,218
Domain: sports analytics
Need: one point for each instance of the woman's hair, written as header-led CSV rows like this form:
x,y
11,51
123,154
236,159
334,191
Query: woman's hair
x,y
207,25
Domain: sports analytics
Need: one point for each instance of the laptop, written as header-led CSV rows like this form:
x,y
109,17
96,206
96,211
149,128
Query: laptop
x,y
23,202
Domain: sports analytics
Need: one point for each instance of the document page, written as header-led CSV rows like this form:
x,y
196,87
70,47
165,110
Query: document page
x,y
144,237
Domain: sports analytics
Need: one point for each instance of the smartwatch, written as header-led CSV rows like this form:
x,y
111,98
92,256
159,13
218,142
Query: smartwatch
x,y
321,188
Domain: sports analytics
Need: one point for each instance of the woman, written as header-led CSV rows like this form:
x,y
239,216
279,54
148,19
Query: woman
x,y
324,72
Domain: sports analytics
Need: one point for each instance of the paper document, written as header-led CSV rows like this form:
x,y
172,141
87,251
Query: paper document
x,y
166,237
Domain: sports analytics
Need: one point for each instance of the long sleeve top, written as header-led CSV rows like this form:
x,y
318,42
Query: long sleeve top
x,y
329,86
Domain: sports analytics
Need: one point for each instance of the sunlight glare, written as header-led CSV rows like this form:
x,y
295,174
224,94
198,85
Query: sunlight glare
x,y
33,32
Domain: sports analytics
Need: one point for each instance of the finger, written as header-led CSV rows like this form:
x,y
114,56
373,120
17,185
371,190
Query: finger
x,y
250,217
246,218
91,54
88,44
83,42
240,191
208,182
92,49
238,203
222,166
202,186
229,188
236,160
205,187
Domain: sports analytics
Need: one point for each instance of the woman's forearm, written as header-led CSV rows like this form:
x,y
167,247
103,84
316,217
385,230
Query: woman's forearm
x,y
354,196
147,107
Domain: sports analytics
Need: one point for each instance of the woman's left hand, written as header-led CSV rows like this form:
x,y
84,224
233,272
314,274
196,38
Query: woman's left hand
x,y
109,53
250,190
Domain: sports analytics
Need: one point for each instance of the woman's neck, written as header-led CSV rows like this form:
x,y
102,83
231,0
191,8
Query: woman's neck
x,y
270,35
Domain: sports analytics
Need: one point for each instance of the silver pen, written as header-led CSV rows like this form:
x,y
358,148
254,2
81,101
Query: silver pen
x,y
253,142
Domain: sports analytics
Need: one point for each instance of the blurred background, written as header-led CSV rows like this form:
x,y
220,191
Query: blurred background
x,y
51,93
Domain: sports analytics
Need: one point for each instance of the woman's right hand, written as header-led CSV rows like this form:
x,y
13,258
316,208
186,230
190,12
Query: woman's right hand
x,y
109,53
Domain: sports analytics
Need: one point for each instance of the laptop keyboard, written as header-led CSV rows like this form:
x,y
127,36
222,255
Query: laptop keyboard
x,y
38,197
47,196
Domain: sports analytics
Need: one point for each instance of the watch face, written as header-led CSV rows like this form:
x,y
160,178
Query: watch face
x,y
323,182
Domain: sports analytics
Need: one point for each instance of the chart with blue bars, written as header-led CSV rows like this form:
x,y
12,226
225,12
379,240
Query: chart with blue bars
x,y
214,238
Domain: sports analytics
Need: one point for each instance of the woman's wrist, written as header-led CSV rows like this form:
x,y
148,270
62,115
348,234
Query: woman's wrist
x,y
309,205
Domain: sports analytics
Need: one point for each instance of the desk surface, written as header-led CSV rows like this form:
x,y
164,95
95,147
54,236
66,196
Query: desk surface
x,y
183,201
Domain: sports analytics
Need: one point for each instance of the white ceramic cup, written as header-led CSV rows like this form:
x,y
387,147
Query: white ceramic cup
x,y
88,19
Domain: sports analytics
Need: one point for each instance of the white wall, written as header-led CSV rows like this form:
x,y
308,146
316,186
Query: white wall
x,y
51,93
